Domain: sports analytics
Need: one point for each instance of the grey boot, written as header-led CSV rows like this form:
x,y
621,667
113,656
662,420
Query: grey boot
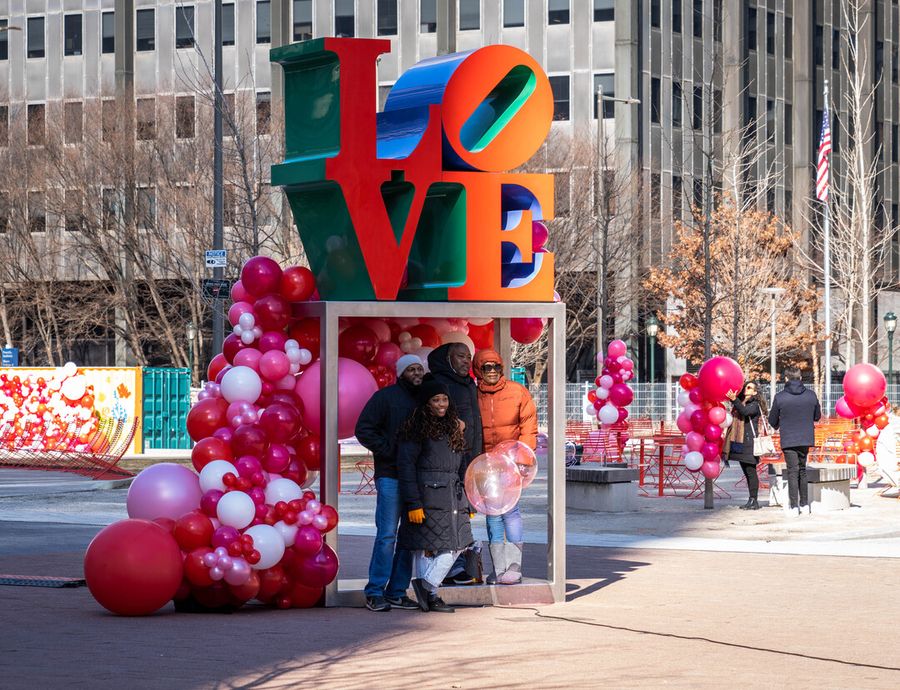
x,y
498,558
513,574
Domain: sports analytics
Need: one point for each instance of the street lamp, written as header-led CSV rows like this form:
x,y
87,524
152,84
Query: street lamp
x,y
601,214
890,325
191,333
652,325
775,292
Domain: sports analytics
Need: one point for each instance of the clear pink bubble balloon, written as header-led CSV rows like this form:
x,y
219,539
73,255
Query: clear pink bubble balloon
x,y
493,484
523,457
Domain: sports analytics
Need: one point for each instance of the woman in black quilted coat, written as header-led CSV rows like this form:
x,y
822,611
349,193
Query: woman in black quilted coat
x,y
431,467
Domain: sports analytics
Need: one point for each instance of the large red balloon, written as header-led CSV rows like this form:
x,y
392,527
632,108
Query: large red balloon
x,y
864,385
272,312
297,284
261,276
209,449
309,450
216,364
718,376
303,597
358,343
280,422
133,567
193,530
482,336
249,439
271,582
526,330
427,334
306,333
205,417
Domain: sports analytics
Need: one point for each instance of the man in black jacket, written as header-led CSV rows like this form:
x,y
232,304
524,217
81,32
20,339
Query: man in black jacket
x,y
795,411
390,569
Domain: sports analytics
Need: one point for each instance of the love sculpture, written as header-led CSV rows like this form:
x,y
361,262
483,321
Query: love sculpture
x,y
416,202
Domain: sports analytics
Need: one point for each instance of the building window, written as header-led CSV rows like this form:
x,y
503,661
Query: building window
x,y
654,100
37,212
698,18
263,112
561,184
770,120
894,144
788,38
184,117
717,111
228,24
677,197
608,82
74,122
109,208
469,15
4,212
818,49
344,21
676,16
302,20
788,206
697,114
654,13
717,21
879,60
4,125
604,10
676,104
108,32
894,65
74,210
145,208
184,26
72,34
770,33
698,194
145,117
751,28
35,37
228,113
789,124
558,12
108,119
770,200
36,128
655,206
146,31
4,40
835,49
387,17
560,87
263,21
513,13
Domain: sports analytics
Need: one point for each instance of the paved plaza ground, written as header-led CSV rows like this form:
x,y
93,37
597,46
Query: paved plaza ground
x,y
668,596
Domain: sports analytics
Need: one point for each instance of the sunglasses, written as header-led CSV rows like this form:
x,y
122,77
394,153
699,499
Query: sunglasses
x,y
491,367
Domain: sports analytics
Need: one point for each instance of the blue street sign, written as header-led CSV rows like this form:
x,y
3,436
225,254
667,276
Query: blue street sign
x,y
9,356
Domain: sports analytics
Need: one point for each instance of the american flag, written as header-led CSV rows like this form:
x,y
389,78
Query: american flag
x,y
822,162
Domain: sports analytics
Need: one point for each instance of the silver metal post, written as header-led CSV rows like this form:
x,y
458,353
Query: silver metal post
x,y
330,458
601,218
218,318
826,260
556,453
772,372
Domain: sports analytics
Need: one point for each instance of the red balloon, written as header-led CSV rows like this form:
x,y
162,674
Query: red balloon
x,y
261,276
310,452
881,421
358,343
318,570
193,530
280,422
230,347
216,596
209,449
867,443
718,376
166,523
308,542
249,439
482,336
133,567
688,381
526,330
427,334
272,312
194,569
331,515
864,385
306,333
297,284
205,417
241,594
271,582
216,364
699,421
303,597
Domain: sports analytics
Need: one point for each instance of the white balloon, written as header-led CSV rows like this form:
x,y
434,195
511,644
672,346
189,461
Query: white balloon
x,y
693,460
241,383
236,509
268,541
288,532
729,420
404,336
608,414
237,330
873,431
283,489
305,356
459,337
212,473
479,322
415,344
684,398
590,410
866,459
293,355
291,344
247,320
73,388
602,393
247,337
70,369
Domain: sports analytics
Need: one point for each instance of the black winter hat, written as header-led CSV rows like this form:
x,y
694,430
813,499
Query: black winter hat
x,y
430,387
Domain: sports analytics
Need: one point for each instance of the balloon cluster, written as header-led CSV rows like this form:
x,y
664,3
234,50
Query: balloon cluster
x,y
864,400
494,480
235,532
703,417
40,413
610,400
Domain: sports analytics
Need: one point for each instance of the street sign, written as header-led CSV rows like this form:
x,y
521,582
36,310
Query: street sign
x,y
216,289
216,258
9,356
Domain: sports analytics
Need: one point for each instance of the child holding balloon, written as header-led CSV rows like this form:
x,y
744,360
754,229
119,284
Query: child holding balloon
x,y
431,464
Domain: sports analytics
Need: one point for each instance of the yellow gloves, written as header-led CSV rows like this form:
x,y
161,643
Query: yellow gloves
x,y
417,516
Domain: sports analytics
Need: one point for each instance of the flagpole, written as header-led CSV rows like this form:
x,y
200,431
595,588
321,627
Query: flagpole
x,y
827,270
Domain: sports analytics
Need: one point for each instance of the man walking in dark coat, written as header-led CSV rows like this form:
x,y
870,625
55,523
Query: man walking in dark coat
x,y
794,413
377,428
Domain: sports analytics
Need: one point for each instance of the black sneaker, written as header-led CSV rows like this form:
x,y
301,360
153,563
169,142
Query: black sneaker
x,y
422,594
463,579
435,603
378,604
403,602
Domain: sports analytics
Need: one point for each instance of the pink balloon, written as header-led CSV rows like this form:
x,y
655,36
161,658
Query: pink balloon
x,y
163,490
539,235
695,396
276,458
710,469
224,535
493,483
355,386
842,408
239,294
684,423
710,451
713,432
606,381
272,340
238,573
261,276
628,365
718,376
716,415
699,421
210,501
694,441
616,348
864,385
247,466
621,395
318,570
248,358
308,541
388,354
238,308
274,365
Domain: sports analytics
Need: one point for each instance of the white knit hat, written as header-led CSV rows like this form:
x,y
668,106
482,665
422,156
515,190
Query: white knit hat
x,y
407,361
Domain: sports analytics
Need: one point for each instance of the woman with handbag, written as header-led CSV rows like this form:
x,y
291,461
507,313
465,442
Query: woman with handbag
x,y
749,411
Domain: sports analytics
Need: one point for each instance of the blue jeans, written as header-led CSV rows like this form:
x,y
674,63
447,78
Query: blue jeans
x,y
390,568
509,523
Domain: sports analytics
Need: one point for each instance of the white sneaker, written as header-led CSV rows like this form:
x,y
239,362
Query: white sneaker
x,y
806,510
791,512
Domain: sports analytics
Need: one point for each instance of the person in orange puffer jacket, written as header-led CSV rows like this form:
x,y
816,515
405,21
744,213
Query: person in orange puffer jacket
x,y
508,413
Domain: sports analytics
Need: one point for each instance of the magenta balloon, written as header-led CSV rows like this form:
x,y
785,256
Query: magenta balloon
x,y
224,535
539,235
684,423
864,385
308,541
249,439
716,415
718,376
238,308
710,469
695,396
616,348
272,340
274,365
699,421
272,312
621,395
248,358
239,294
623,415
318,570
210,501
355,386
713,432
710,451
694,441
280,422
628,365
224,434
261,276
247,466
842,408
277,458
387,355
163,490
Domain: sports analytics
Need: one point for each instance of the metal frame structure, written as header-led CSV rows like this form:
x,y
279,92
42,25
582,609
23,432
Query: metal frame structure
x,y
553,589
